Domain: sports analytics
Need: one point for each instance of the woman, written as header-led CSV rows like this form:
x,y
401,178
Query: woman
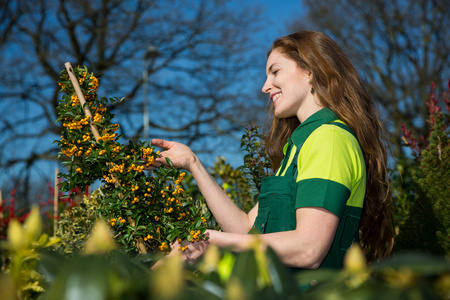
x,y
331,187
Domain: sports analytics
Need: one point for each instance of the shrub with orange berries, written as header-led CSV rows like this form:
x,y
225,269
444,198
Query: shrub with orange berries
x,y
148,207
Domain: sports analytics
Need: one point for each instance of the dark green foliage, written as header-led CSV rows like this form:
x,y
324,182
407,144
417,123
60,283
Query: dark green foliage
x,y
256,163
423,205
435,181
234,182
402,185
419,229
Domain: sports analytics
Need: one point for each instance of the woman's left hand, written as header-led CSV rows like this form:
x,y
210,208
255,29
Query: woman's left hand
x,y
193,250
191,254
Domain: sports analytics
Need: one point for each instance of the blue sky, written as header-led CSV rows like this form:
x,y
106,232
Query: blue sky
x,y
278,13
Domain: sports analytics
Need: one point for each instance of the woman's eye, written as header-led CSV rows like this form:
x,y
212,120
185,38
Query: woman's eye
x,y
275,72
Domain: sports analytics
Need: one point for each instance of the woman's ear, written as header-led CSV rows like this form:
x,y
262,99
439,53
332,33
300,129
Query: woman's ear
x,y
311,81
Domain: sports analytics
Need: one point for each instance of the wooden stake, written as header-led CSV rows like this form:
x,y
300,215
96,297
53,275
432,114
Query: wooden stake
x,y
79,92
95,132
55,203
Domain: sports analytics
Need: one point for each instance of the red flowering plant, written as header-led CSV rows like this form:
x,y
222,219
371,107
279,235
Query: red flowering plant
x,y
147,211
9,211
435,114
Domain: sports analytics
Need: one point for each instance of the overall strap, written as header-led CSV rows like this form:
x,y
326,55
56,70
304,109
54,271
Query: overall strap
x,y
294,163
285,158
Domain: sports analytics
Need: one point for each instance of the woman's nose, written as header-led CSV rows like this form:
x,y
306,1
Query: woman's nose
x,y
266,87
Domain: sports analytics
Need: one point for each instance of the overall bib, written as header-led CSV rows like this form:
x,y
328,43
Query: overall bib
x,y
277,200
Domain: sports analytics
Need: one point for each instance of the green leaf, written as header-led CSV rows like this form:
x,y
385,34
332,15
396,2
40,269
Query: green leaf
x,y
169,162
84,277
225,266
50,264
246,271
281,277
136,221
171,236
417,262
141,228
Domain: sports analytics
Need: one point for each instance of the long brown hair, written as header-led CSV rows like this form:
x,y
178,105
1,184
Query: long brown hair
x,y
338,86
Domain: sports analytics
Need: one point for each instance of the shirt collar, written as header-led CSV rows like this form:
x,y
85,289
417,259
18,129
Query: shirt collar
x,y
323,116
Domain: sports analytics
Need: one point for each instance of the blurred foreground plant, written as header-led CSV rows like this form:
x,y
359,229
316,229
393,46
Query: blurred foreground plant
x,y
102,271
405,276
252,274
21,254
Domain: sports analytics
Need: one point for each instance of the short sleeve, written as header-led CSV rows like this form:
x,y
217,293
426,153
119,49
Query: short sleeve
x,y
329,164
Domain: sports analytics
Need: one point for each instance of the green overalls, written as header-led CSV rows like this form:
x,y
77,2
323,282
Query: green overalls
x,y
277,201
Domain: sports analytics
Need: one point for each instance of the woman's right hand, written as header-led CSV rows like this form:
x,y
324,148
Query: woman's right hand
x,y
230,217
180,155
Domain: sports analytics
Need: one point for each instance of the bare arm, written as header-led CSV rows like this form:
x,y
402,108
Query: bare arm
x,y
230,217
304,247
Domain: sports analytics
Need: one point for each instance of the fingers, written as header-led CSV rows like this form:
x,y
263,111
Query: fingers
x,y
152,167
161,143
156,164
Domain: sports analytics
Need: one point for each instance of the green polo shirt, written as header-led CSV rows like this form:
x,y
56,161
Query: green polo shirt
x,y
331,174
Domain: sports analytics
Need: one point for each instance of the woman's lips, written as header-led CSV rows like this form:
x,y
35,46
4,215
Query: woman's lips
x,y
275,96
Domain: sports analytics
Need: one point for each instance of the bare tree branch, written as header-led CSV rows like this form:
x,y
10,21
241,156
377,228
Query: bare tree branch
x,y
198,85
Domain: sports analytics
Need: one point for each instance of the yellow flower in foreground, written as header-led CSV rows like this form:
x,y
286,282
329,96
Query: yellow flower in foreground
x,y
33,225
101,240
354,260
168,281
355,267
16,236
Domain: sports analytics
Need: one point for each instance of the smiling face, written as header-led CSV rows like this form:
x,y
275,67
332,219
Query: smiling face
x,y
289,88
